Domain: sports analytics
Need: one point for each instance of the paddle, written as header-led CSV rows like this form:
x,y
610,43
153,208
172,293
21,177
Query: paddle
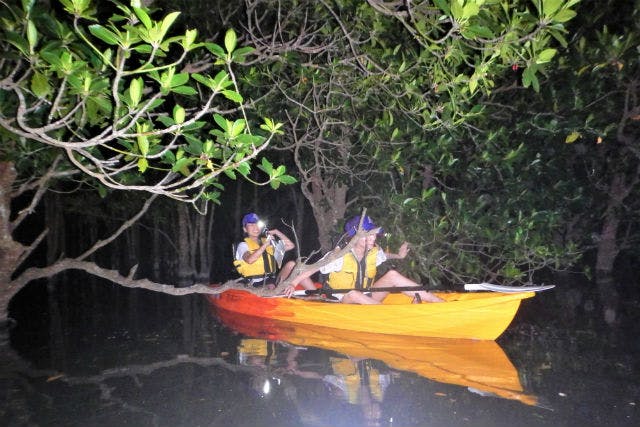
x,y
506,289
468,287
392,290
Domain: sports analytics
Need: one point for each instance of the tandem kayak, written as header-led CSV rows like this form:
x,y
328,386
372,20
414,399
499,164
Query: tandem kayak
x,y
481,366
467,315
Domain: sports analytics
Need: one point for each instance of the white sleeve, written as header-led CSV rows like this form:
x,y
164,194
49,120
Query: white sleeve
x,y
380,257
335,265
241,249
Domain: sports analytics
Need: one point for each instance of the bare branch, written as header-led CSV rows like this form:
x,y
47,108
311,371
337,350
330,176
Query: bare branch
x,y
41,186
114,276
101,243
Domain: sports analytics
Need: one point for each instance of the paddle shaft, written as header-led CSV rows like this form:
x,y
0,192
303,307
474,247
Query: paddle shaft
x,y
468,287
393,290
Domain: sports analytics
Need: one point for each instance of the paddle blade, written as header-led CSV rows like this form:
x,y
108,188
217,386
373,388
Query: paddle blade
x,y
278,252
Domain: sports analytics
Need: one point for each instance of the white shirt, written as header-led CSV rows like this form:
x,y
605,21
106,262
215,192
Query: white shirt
x,y
241,249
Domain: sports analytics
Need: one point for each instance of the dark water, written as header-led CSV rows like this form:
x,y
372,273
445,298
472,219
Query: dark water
x,y
107,356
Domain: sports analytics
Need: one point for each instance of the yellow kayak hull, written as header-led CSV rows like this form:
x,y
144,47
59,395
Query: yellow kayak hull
x,y
469,315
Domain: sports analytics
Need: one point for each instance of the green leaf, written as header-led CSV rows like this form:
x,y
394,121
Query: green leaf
x,y
266,166
549,7
167,121
182,166
230,40
249,139
473,83
456,9
135,91
143,164
287,179
545,56
564,15
143,144
222,122
143,16
558,36
526,77
244,168
233,96
237,128
166,23
32,35
480,30
271,126
189,38
179,79
184,90
143,48
216,50
40,85
239,55
443,5
104,34
205,80
221,81
470,10
102,191
18,41
572,137
179,114
535,83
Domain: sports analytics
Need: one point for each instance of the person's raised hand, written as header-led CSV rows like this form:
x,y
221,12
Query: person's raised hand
x,y
403,250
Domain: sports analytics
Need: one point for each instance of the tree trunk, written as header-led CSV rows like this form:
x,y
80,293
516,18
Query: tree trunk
x,y
608,249
329,204
607,252
301,223
159,251
203,236
186,269
10,250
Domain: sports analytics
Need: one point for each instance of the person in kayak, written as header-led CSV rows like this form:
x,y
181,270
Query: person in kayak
x,y
357,270
259,256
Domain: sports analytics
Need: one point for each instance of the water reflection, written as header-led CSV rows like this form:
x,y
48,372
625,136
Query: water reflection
x,y
341,380
138,358
361,366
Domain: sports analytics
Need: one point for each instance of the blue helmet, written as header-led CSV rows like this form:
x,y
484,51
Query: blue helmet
x,y
351,226
250,218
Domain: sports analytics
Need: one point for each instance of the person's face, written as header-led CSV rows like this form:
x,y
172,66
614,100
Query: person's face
x,y
252,229
371,241
367,242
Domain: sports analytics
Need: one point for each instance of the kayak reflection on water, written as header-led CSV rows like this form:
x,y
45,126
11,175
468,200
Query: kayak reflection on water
x,y
362,366
346,383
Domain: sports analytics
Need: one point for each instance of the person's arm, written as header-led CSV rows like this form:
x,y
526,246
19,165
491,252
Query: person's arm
x,y
402,252
251,257
288,244
335,265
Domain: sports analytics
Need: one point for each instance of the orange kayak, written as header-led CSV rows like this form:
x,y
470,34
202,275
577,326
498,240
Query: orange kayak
x,y
468,315
481,366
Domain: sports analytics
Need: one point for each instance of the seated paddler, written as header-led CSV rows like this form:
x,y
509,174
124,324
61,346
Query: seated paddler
x,y
357,270
259,256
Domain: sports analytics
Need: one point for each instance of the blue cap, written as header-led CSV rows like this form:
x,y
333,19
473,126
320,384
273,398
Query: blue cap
x,y
250,218
351,227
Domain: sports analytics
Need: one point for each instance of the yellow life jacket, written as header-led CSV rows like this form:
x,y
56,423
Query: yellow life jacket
x,y
349,372
352,275
261,267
